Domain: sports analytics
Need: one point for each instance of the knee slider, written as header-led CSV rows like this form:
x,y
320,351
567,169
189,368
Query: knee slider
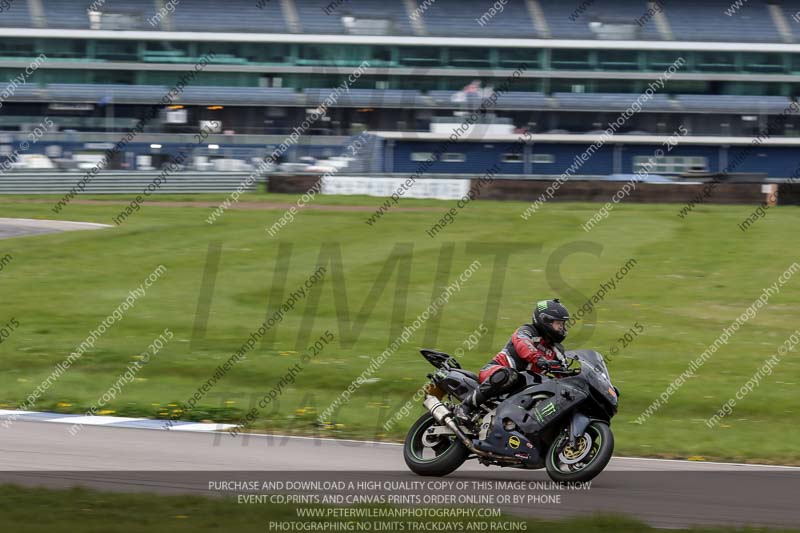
x,y
503,378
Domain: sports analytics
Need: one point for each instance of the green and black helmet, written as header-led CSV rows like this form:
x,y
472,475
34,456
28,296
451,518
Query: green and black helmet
x,y
545,313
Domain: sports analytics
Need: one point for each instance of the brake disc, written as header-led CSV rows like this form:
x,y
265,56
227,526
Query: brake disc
x,y
575,454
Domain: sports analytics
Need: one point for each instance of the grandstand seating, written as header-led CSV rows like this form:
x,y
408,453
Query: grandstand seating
x,y
229,16
315,19
305,73
460,18
560,17
694,21
16,15
707,20
611,101
710,103
241,95
76,92
395,98
152,94
66,14
73,15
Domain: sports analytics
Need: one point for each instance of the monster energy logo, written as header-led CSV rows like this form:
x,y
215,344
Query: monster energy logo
x,y
546,411
541,306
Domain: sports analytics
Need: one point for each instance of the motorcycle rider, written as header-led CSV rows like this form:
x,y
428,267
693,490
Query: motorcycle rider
x,y
534,347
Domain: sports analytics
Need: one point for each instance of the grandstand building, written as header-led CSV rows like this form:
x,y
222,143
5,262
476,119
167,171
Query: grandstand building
x,y
574,66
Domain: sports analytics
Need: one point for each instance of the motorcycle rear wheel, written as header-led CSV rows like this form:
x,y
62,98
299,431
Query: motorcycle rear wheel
x,y
438,458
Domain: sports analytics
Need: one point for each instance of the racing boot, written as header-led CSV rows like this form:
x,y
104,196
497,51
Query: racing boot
x,y
466,410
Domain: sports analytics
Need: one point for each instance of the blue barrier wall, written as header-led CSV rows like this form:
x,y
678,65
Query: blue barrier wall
x,y
775,161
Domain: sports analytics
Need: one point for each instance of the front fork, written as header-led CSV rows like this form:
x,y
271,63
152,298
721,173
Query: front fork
x,y
577,426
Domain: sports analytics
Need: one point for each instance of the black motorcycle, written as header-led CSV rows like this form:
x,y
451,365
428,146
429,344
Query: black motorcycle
x,y
559,421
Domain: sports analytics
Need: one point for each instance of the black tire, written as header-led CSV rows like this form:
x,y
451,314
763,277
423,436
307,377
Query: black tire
x,y
449,455
559,471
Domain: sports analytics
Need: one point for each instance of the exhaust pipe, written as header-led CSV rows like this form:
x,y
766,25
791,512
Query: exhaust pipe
x,y
443,415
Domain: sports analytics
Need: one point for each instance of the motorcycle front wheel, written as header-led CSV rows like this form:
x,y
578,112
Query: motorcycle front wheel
x,y
583,461
432,455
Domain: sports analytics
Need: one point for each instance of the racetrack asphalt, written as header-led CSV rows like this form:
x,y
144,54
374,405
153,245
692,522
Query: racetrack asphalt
x,y
663,493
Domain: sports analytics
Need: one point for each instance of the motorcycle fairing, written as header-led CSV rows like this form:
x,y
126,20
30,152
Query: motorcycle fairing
x,y
512,444
529,420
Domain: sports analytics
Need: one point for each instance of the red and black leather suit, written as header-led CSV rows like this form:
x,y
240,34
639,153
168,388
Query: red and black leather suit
x,y
523,352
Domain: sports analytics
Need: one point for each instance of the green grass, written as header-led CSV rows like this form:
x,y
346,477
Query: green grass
x,y
692,278
27,510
